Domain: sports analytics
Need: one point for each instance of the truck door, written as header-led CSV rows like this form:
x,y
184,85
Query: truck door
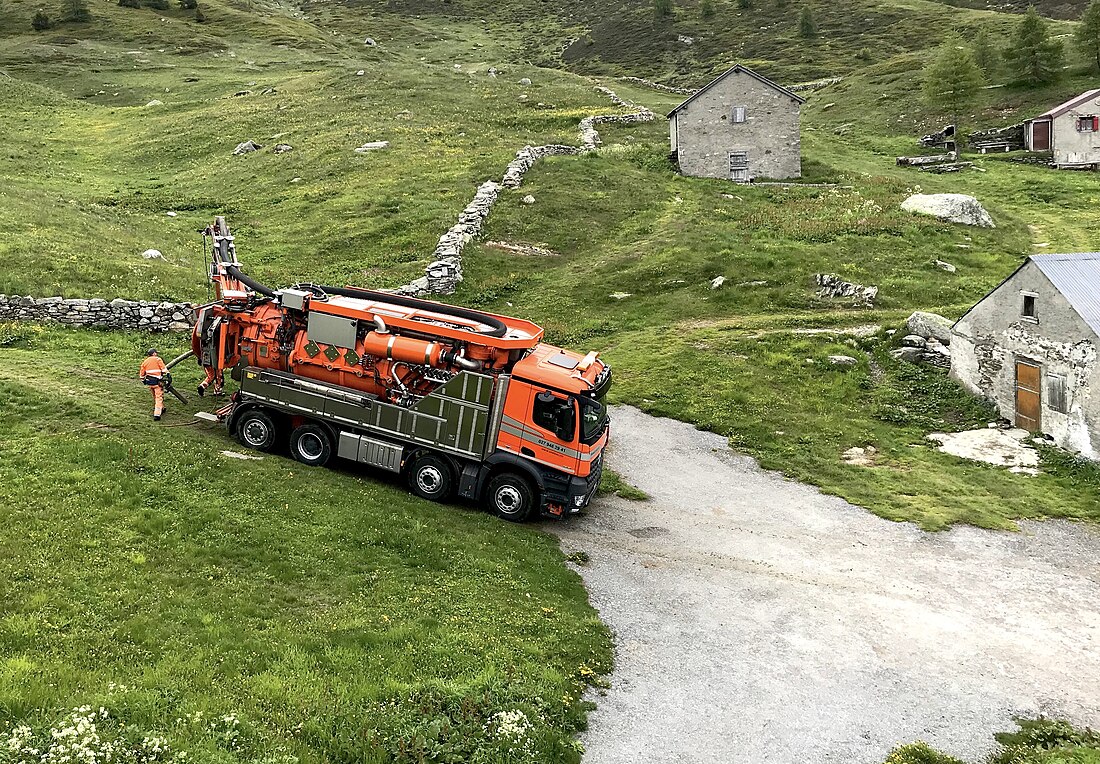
x,y
551,432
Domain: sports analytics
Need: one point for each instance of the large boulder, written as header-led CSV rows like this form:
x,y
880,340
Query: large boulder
x,y
954,208
929,325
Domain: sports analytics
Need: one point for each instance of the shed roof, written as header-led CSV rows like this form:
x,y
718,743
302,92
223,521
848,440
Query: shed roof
x,y
745,70
1076,276
1061,109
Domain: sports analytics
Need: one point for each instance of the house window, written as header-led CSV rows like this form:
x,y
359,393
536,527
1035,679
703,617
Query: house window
x,y
1088,124
1056,393
739,165
738,114
1029,309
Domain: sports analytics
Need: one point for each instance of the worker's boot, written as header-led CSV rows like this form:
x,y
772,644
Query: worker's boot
x,y
202,391
156,417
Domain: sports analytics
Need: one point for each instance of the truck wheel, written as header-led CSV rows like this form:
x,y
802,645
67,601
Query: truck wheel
x,y
511,497
311,444
431,478
256,429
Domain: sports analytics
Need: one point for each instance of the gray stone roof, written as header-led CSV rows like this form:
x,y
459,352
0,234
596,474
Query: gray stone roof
x,y
744,69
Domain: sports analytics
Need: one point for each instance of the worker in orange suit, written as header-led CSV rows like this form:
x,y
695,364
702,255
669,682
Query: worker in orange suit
x,y
214,377
153,373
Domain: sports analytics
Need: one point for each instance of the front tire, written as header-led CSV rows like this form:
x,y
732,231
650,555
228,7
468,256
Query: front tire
x,y
311,444
256,430
431,477
511,497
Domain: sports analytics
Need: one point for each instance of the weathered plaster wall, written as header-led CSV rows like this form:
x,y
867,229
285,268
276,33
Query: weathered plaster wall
x,y
987,342
116,314
705,133
1070,146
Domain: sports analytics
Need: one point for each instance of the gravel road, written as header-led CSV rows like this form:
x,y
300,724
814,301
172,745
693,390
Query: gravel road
x,y
758,620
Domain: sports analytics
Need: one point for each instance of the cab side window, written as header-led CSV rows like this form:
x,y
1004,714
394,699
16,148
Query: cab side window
x,y
555,415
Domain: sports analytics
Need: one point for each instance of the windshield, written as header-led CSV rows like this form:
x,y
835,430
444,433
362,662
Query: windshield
x,y
593,418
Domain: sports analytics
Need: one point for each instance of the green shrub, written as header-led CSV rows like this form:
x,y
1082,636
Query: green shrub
x,y
1036,737
40,22
706,9
662,8
130,3
919,753
807,27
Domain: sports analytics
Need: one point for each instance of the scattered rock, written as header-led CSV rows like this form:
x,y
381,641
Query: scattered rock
x,y
914,341
860,456
620,295
843,360
908,354
372,146
717,281
529,250
170,214
242,457
360,73
833,287
1003,448
152,254
954,208
752,283
295,180
155,102
492,71
240,93
528,199
929,325
282,148
369,42
246,148
946,266
685,39
525,81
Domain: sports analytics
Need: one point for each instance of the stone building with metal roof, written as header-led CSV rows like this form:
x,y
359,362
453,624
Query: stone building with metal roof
x,y
741,126
1030,346
1070,131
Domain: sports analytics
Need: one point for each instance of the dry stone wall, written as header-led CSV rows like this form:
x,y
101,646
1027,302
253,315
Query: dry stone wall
x,y
116,314
444,272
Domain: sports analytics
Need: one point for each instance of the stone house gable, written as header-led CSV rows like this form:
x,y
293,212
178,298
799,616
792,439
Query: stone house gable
x,y
741,126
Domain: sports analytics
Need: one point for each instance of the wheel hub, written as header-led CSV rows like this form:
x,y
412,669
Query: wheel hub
x,y
255,432
429,478
310,446
508,499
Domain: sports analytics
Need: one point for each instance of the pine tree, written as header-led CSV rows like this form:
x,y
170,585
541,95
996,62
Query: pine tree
x,y
986,55
952,80
662,8
75,10
706,9
1088,34
1033,56
41,21
806,26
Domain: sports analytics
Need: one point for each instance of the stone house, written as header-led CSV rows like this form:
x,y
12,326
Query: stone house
x,y
1030,346
741,126
1070,131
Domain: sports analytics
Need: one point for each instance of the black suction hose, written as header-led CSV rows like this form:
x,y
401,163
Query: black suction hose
x,y
249,282
499,328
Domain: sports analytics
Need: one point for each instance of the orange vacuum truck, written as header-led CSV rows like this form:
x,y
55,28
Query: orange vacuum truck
x,y
459,402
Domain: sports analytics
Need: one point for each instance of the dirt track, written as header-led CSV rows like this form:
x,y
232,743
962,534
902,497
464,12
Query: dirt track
x,y
758,620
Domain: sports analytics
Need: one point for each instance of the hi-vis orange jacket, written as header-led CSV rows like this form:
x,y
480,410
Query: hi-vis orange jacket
x,y
153,367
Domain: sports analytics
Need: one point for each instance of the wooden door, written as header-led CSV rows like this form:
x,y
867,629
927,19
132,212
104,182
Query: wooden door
x,y
1040,135
1028,396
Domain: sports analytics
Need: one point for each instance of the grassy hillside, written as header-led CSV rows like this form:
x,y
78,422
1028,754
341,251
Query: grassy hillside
x,y
145,558
333,615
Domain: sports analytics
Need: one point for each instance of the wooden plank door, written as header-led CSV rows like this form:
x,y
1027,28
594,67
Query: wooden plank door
x,y
1040,135
1028,397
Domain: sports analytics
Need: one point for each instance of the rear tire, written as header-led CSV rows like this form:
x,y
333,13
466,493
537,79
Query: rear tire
x,y
431,477
311,444
256,430
511,497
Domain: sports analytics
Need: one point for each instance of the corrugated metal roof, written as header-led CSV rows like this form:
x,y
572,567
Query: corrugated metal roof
x,y
1077,276
1063,108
